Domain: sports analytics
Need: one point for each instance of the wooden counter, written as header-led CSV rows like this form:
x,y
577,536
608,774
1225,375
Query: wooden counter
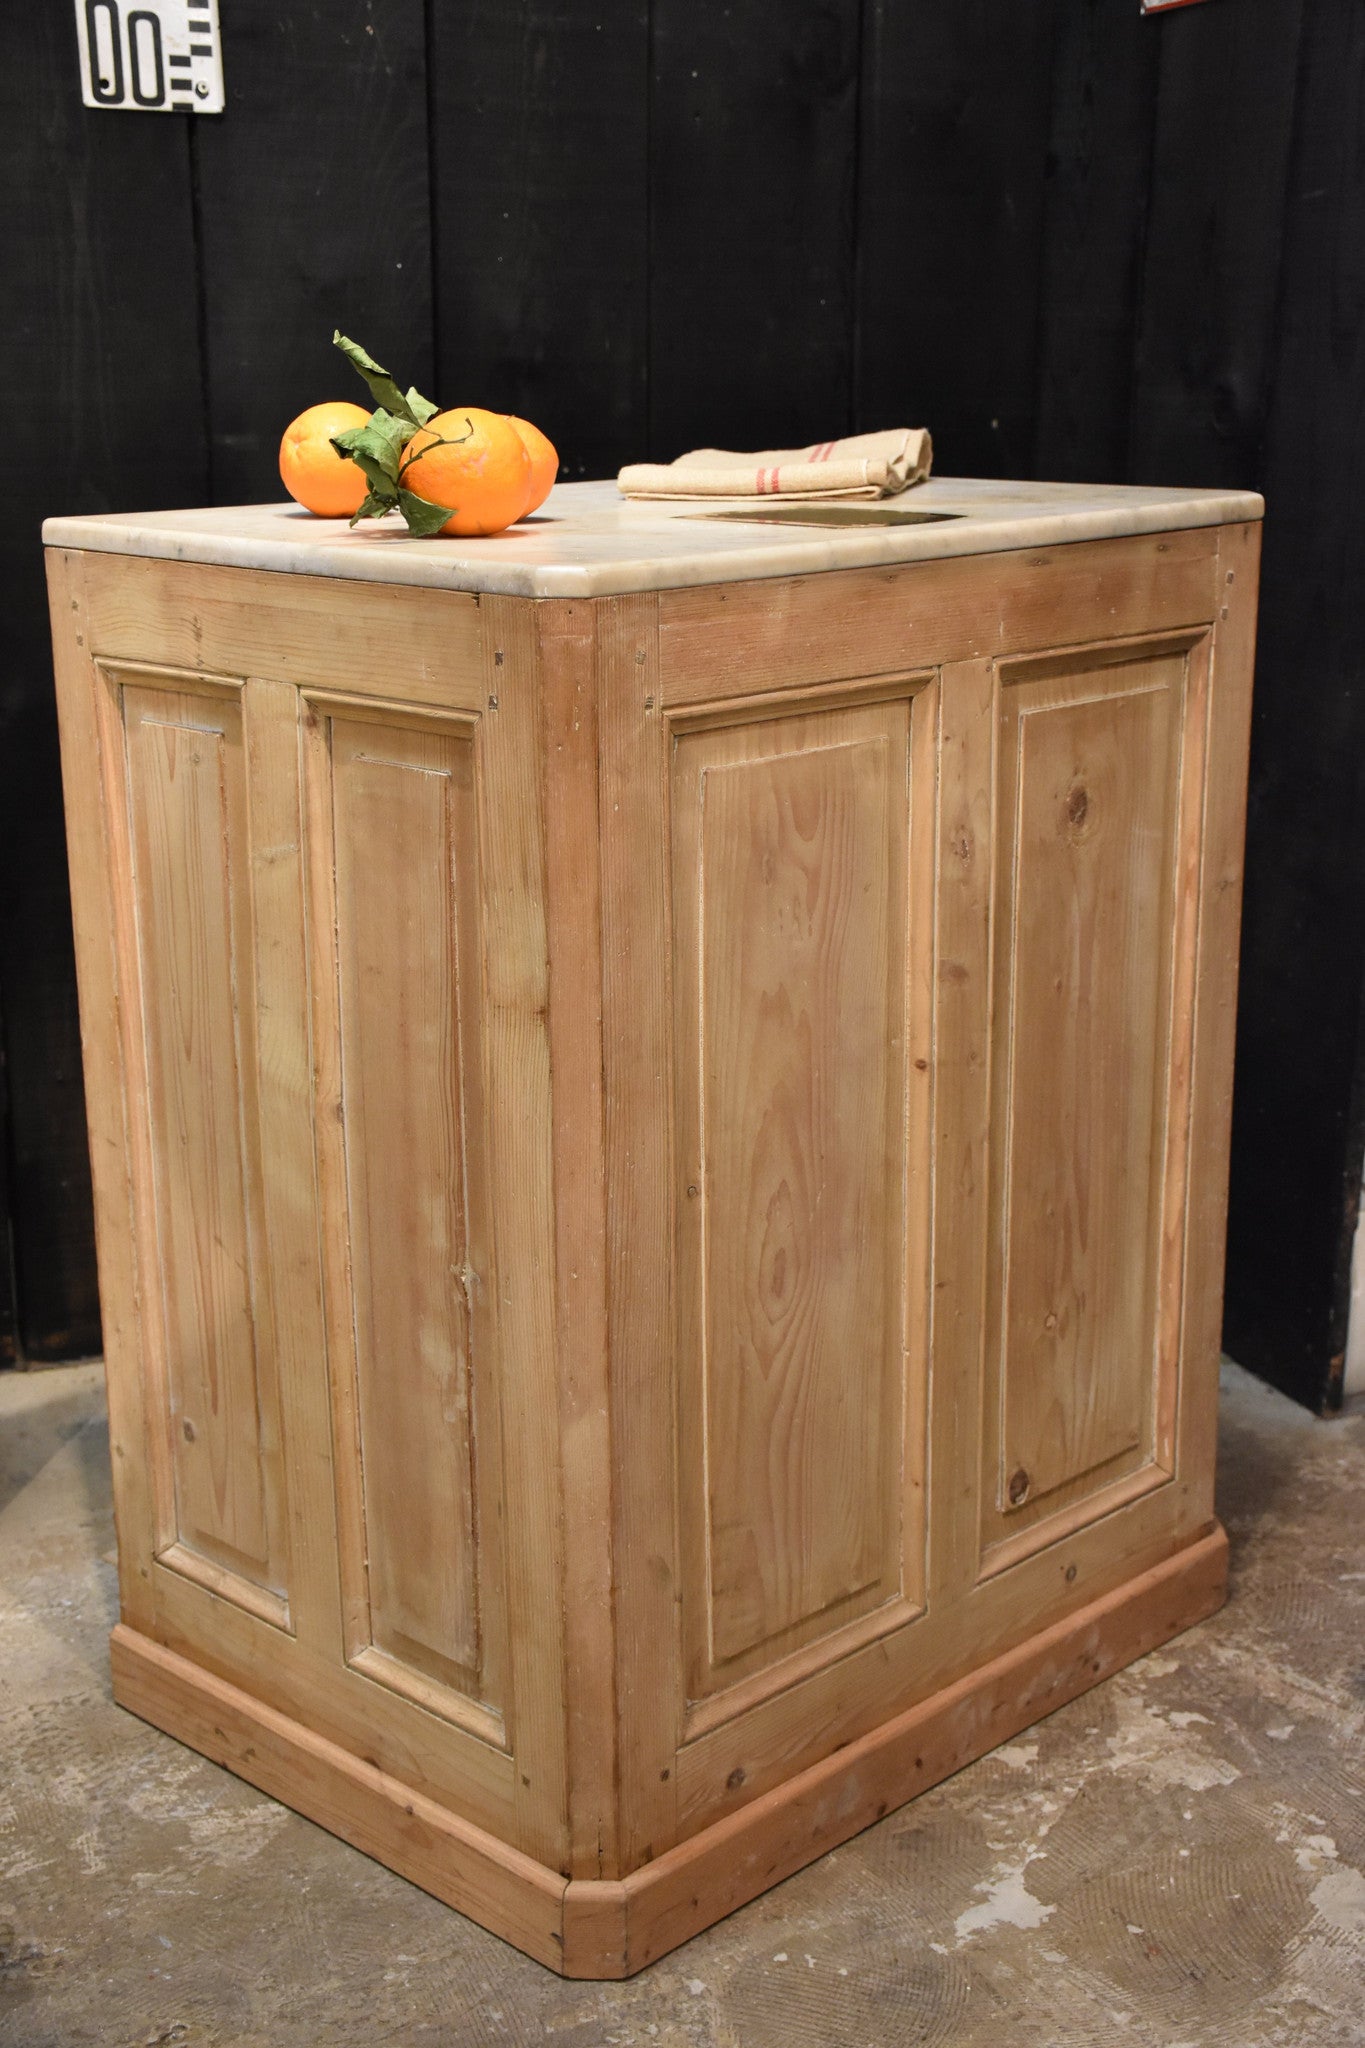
x,y
658,1095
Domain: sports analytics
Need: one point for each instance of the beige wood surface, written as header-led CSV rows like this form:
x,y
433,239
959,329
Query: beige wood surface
x,y
634,749
737,1740
749,637
612,1929
188,855
741,1856
473,1871
620,1130
1223,789
569,695
374,640
284,1083
792,940
421,1411
1089,777
397,1643
100,946
518,1097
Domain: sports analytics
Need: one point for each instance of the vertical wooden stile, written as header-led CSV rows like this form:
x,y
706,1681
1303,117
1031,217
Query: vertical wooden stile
x,y
634,746
1215,1000
962,1081
512,829
568,676
92,856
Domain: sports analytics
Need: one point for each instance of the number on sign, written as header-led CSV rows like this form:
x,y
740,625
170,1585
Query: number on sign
x,y
150,56
137,47
104,52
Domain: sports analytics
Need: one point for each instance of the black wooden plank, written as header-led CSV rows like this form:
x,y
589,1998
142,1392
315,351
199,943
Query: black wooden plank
x,y
313,214
1203,364
9,1299
955,123
1297,1137
1098,171
98,358
753,163
540,127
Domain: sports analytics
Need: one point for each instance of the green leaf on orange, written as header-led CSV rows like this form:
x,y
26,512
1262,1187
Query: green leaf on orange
x,y
373,506
422,516
376,449
409,405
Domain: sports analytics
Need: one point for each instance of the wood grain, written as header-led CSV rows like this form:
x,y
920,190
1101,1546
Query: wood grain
x,y
1104,82
408,958
965,826
1203,354
291,1247
628,1524
635,747
599,1929
1089,773
1298,1140
568,677
520,1105
1215,1001
512,1894
312,210
726,642
540,196
775,93
1137,1153
102,259
1177,257
790,921
188,857
82,706
417,647
739,1857
952,178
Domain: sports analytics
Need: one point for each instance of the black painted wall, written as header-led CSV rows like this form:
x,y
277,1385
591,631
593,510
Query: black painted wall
x,y
1075,242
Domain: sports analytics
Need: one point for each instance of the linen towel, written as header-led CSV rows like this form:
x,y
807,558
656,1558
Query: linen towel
x,y
862,466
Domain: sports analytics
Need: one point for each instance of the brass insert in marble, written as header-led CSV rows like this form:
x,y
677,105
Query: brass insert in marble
x,y
841,513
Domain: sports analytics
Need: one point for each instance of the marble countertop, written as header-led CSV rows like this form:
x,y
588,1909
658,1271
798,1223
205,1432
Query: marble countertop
x,y
589,541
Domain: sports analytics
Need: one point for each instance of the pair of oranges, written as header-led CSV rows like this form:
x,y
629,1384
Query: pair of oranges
x,y
493,469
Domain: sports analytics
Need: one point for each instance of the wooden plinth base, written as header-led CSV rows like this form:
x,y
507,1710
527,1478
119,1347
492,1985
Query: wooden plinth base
x,y
597,1929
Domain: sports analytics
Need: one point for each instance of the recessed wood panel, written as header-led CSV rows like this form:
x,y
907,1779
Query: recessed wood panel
x,y
186,795
790,841
409,1017
1086,932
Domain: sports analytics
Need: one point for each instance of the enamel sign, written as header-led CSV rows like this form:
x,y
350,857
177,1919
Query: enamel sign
x,y
151,56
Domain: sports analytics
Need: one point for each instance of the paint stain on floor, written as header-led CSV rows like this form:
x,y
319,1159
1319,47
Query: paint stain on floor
x,y
1176,1860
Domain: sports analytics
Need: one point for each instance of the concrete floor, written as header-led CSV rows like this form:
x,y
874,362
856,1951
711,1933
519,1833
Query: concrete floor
x,y
1174,1861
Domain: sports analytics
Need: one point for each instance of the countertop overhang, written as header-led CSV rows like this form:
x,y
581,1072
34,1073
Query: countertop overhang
x,y
588,541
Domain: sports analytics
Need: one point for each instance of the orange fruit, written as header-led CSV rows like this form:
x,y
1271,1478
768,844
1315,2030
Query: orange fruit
x,y
310,467
475,462
544,461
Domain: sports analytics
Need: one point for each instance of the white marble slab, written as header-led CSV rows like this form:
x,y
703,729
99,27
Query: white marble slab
x,y
588,541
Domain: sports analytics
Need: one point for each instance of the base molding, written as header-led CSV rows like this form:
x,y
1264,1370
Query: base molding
x,y
585,1928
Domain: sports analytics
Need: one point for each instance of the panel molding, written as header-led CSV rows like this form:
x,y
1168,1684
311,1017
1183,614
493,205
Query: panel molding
x,y
743,740
1137,1457
450,1657
193,1150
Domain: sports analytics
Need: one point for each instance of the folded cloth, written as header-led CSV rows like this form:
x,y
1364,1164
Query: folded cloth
x,y
863,466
